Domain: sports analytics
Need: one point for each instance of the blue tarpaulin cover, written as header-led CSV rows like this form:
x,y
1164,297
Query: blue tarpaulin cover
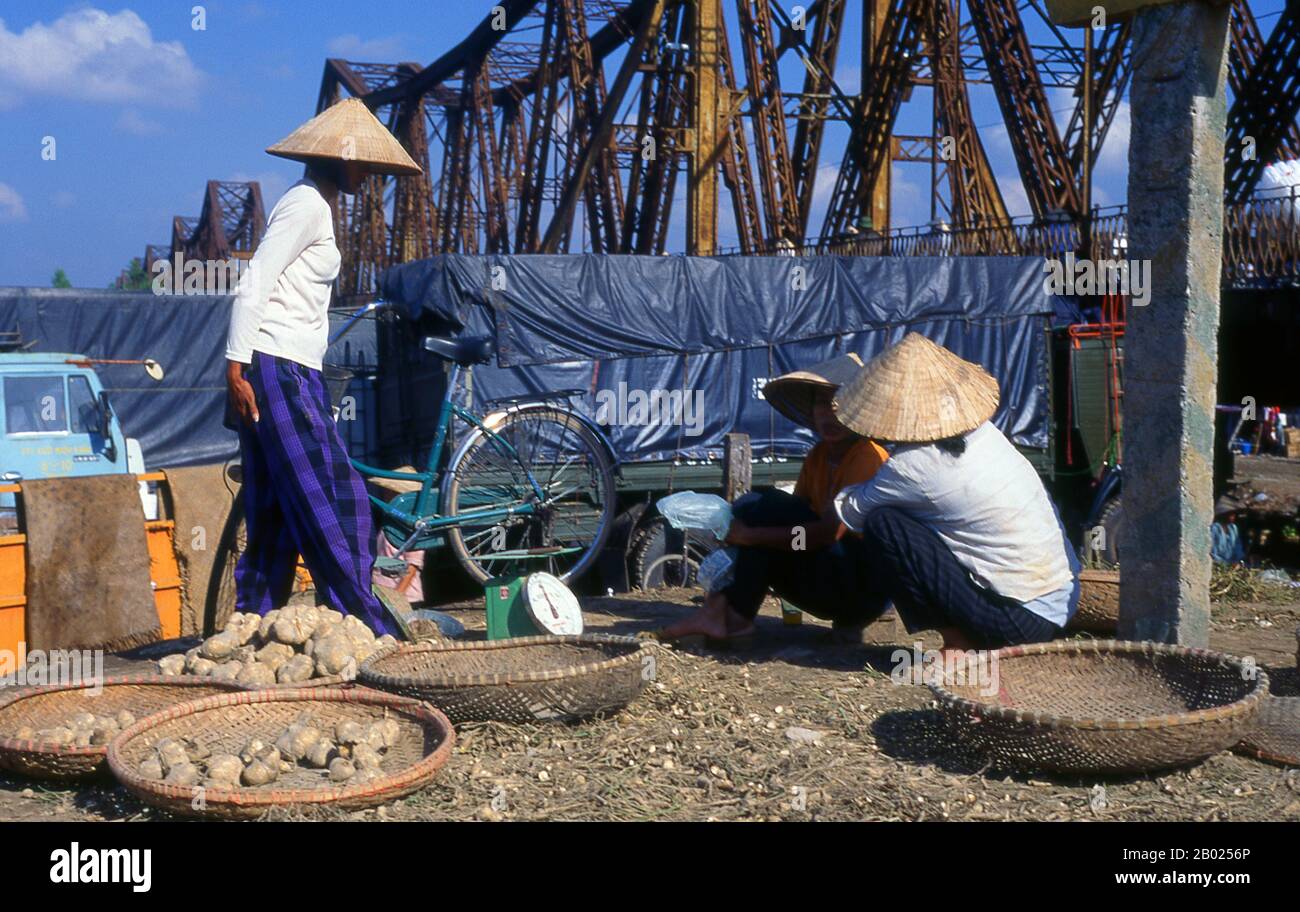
x,y
714,328
179,420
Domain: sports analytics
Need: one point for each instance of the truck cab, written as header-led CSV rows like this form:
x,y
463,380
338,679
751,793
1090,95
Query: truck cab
x,y
56,421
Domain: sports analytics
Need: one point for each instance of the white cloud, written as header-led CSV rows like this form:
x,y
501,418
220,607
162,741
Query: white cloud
x,y
12,207
823,189
1013,194
1110,176
1061,102
91,55
849,78
353,47
131,122
909,201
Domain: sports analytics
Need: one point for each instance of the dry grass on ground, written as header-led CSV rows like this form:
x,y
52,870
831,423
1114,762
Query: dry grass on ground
x,y
711,740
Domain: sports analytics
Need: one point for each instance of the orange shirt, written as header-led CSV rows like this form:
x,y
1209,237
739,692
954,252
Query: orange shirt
x,y
818,482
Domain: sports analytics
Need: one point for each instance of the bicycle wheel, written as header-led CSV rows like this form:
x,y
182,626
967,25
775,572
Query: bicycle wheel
x,y
220,601
574,473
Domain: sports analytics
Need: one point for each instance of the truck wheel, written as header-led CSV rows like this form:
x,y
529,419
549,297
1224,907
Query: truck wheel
x,y
656,556
1111,516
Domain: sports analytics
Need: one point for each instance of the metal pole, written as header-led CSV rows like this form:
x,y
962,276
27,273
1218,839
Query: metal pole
x,y
702,200
1087,145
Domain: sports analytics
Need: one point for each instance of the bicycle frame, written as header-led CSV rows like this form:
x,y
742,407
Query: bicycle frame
x,y
424,520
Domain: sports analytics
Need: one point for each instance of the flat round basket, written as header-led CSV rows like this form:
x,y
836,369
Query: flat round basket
x,y
330,681
314,683
226,723
1098,610
1275,736
49,707
1102,706
526,679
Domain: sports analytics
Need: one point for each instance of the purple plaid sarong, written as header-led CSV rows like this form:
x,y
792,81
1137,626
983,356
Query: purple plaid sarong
x,y
302,496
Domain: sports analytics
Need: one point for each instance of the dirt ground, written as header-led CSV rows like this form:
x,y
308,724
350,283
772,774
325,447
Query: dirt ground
x,y
710,740
1270,488
1276,477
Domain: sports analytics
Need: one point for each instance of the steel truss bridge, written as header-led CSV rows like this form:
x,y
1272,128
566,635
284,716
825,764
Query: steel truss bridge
x,y
656,126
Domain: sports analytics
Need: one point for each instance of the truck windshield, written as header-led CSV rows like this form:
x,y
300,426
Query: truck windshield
x,y
35,405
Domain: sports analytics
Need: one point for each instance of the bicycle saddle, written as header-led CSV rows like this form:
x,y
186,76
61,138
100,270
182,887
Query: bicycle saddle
x,y
466,351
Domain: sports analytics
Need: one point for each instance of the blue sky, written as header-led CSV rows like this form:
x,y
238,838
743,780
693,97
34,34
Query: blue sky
x,y
139,132
143,110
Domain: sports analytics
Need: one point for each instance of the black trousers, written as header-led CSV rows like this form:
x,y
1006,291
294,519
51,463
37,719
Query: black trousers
x,y
831,583
912,566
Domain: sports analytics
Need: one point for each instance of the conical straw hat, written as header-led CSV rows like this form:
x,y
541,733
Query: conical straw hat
x,y
347,131
793,394
916,392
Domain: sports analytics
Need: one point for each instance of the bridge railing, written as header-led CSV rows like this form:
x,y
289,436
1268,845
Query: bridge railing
x,y
1261,245
1261,240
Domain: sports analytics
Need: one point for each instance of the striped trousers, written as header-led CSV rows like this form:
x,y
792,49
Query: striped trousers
x,y
302,496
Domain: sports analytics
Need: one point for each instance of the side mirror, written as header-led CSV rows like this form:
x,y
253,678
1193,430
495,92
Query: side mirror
x,y
106,426
105,417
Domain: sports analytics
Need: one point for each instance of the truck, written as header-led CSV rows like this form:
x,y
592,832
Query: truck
x,y
56,421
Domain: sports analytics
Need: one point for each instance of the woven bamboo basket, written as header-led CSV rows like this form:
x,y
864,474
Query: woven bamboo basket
x,y
313,684
1098,610
330,681
1104,706
226,723
526,679
46,707
1275,736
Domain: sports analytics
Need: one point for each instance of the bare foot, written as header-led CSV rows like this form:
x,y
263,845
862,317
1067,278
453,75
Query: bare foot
x,y
710,620
715,620
737,624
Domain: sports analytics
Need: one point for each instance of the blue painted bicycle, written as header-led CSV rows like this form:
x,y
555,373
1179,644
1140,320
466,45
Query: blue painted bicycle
x,y
532,480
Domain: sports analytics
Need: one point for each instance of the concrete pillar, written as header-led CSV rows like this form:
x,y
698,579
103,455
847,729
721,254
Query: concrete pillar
x,y
1175,198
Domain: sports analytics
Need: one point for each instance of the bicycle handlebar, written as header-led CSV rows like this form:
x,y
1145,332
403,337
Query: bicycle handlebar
x,y
352,320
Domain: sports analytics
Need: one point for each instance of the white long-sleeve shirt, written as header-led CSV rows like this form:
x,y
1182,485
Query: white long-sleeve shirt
x,y
282,304
991,510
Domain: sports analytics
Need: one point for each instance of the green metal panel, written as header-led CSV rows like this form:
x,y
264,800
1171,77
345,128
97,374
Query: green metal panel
x,y
660,476
644,477
1090,366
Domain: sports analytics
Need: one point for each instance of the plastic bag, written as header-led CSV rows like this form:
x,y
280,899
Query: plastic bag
x,y
688,510
1277,576
717,570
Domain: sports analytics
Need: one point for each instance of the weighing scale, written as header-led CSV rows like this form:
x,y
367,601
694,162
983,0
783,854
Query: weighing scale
x,y
529,604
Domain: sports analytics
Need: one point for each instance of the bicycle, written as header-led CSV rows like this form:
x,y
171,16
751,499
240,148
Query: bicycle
x,y
532,481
